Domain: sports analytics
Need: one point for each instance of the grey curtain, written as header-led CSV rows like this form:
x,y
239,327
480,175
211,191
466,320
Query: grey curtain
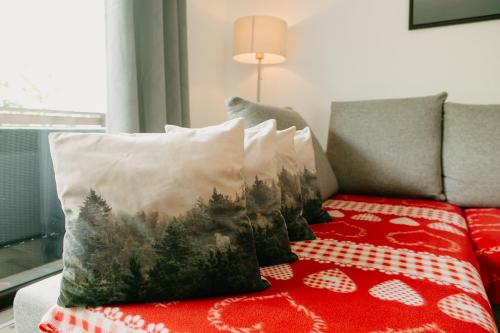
x,y
146,65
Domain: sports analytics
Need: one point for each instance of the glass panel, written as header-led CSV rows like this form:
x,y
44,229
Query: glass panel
x,y
53,55
52,78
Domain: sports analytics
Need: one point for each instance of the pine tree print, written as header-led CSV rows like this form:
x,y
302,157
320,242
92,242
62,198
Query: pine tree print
x,y
291,207
145,258
311,199
269,226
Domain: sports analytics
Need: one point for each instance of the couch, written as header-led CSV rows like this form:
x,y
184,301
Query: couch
x,y
409,166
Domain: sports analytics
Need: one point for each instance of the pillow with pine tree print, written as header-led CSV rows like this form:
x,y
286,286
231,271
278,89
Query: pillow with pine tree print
x,y
262,193
154,217
289,181
311,196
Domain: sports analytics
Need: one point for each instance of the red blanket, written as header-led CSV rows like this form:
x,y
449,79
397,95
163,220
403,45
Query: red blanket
x,y
484,226
383,265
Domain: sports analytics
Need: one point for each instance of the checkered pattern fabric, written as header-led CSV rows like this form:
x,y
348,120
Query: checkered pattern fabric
x,y
366,217
100,320
464,308
277,272
331,279
440,269
397,290
410,286
399,210
445,227
91,321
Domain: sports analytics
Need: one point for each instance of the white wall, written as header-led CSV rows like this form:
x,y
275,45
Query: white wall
x,y
207,43
356,49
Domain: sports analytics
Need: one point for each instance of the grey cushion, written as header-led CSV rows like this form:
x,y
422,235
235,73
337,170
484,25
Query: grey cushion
x,y
471,155
254,114
388,147
32,302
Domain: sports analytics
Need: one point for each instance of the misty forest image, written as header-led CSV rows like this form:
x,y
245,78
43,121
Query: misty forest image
x,y
269,226
111,258
291,207
311,198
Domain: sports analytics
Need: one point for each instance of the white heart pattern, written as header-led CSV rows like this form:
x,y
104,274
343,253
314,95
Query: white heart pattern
x,y
336,213
332,279
445,227
398,291
278,272
464,308
405,221
218,317
366,217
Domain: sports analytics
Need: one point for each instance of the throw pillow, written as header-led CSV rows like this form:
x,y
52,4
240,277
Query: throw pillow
x,y
154,217
471,160
388,147
262,193
311,197
289,181
255,113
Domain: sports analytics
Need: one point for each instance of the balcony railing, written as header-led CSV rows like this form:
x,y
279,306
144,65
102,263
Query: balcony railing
x,y
31,217
14,117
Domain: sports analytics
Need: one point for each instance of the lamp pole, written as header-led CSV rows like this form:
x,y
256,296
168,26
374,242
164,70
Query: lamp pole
x,y
259,57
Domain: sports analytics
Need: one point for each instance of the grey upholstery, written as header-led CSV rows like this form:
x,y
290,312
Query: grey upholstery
x,y
32,302
388,147
254,114
471,159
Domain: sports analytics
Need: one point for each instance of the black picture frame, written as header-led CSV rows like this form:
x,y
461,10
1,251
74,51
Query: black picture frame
x,y
414,26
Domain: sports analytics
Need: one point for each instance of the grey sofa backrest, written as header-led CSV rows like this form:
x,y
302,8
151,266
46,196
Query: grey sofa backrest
x,y
471,154
388,147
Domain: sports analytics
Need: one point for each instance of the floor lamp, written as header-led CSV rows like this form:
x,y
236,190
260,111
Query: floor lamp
x,y
259,40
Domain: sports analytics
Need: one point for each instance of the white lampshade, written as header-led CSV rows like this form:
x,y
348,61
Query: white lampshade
x,y
259,37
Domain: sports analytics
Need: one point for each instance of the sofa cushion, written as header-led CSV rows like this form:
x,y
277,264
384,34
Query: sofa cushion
x,y
388,147
471,158
263,195
33,301
255,113
154,216
289,181
309,187
262,192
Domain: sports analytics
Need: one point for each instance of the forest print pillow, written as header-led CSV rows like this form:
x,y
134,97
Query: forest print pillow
x,y
289,181
262,193
311,196
154,217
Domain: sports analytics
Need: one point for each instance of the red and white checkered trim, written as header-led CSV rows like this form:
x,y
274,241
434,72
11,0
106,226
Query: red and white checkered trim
x,y
445,227
98,320
278,272
442,270
398,291
366,217
331,279
399,210
464,308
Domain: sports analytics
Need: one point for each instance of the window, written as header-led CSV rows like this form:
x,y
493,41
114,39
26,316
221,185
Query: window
x,y
52,77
